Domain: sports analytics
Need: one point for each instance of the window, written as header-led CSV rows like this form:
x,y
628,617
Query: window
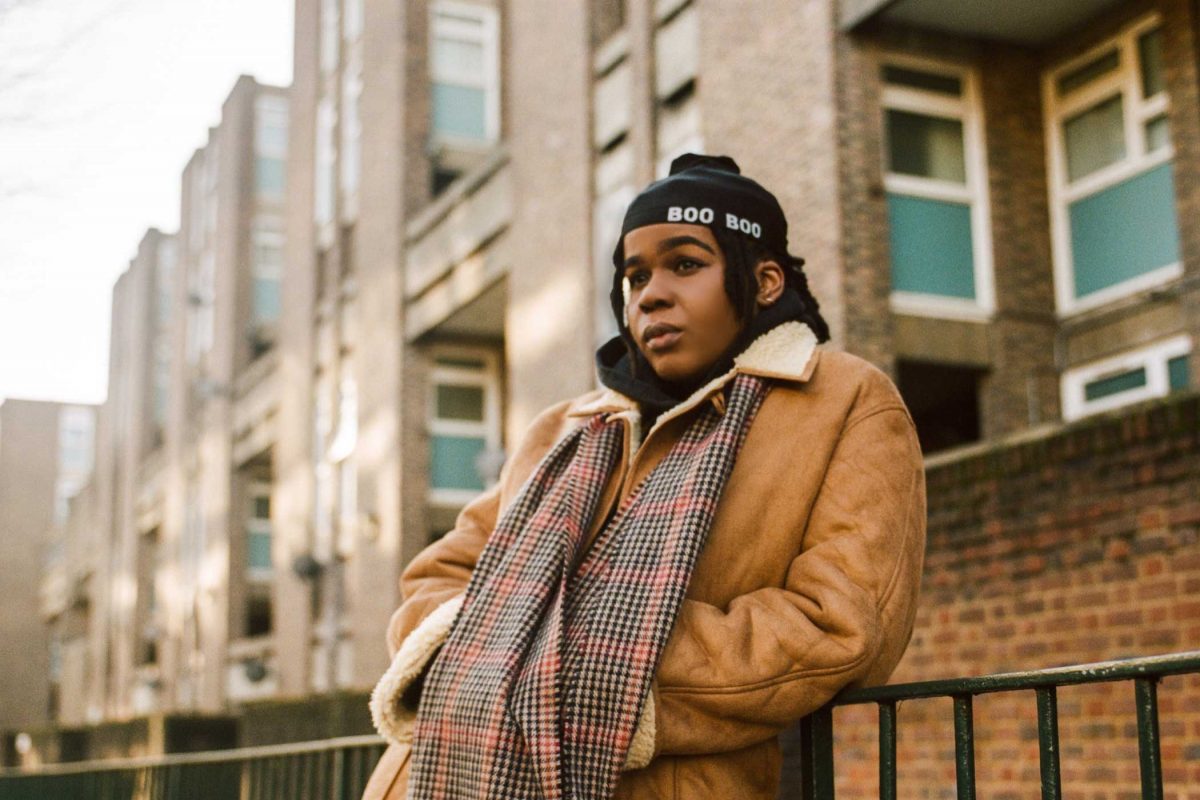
x,y
76,426
164,271
259,566
943,400
266,270
1151,371
344,469
1111,182
464,70
464,424
936,185
270,146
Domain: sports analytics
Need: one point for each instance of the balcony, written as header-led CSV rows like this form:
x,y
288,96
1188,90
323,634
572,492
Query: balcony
x,y
456,254
1027,22
256,393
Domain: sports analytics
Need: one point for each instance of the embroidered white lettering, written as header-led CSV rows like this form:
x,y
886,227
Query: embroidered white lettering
x,y
736,223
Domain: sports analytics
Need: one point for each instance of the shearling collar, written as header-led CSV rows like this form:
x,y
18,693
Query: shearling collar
x,y
787,352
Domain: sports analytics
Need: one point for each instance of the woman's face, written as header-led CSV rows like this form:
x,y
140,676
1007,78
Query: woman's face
x,y
678,311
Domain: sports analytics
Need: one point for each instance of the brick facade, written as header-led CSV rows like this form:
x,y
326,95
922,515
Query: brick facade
x,y
1076,546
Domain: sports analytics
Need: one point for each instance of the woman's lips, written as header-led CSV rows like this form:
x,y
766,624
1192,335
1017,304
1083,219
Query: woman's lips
x,y
660,336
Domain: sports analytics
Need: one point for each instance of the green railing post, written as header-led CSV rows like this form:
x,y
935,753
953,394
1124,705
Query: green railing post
x,y
1146,696
816,755
964,747
887,750
1047,705
338,787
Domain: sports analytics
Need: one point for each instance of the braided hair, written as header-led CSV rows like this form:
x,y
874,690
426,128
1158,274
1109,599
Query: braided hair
x,y
742,255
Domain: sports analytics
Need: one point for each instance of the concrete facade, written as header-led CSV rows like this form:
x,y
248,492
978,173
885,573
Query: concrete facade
x,y
46,452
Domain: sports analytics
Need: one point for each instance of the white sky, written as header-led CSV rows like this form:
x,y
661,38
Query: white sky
x,y
102,102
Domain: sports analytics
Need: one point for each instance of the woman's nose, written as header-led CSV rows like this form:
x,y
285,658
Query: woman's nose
x,y
655,292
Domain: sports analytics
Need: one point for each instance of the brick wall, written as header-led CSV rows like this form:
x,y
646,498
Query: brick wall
x,y
1077,546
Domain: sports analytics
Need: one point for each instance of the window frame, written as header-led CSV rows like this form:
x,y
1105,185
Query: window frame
x,y
974,192
441,24
1153,358
256,525
1126,82
489,429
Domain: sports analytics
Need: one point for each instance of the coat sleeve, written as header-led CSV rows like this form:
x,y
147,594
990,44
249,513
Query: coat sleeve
x,y
434,582
731,677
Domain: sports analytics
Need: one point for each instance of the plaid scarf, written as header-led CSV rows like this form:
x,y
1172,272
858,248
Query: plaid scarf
x,y
537,690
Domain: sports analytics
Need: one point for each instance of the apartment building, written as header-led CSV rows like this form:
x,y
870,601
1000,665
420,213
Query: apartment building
x,y
993,206
988,202
212,644
46,453
164,599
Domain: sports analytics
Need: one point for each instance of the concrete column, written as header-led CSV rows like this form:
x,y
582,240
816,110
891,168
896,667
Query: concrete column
x,y
1021,389
767,86
292,494
547,332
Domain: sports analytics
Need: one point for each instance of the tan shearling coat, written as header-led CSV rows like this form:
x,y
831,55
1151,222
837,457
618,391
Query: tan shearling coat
x,y
807,584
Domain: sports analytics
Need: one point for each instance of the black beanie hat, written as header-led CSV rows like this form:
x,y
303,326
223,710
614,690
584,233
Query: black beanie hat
x,y
709,191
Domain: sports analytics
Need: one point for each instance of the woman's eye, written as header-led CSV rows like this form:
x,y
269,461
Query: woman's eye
x,y
686,264
636,279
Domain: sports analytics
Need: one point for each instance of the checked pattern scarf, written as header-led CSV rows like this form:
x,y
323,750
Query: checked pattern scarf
x,y
537,690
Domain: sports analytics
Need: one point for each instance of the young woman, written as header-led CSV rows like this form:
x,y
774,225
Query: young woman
x,y
677,567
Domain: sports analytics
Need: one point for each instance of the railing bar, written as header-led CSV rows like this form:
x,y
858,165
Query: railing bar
x,y
1149,752
816,755
1100,672
335,775
887,750
964,747
357,767
1047,706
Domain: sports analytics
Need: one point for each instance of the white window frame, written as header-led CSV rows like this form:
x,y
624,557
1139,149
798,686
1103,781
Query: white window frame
x,y
1126,80
968,109
442,24
326,179
254,524
350,134
330,36
267,233
1153,358
489,429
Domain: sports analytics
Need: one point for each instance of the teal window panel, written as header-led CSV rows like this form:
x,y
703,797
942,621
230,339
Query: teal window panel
x,y
266,300
453,462
1179,373
258,550
931,246
270,175
1115,384
459,111
1124,231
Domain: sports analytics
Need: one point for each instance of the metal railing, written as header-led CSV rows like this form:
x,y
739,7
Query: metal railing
x,y
816,730
336,769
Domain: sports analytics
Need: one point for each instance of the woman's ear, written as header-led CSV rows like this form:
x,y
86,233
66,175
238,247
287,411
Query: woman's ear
x,y
769,276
